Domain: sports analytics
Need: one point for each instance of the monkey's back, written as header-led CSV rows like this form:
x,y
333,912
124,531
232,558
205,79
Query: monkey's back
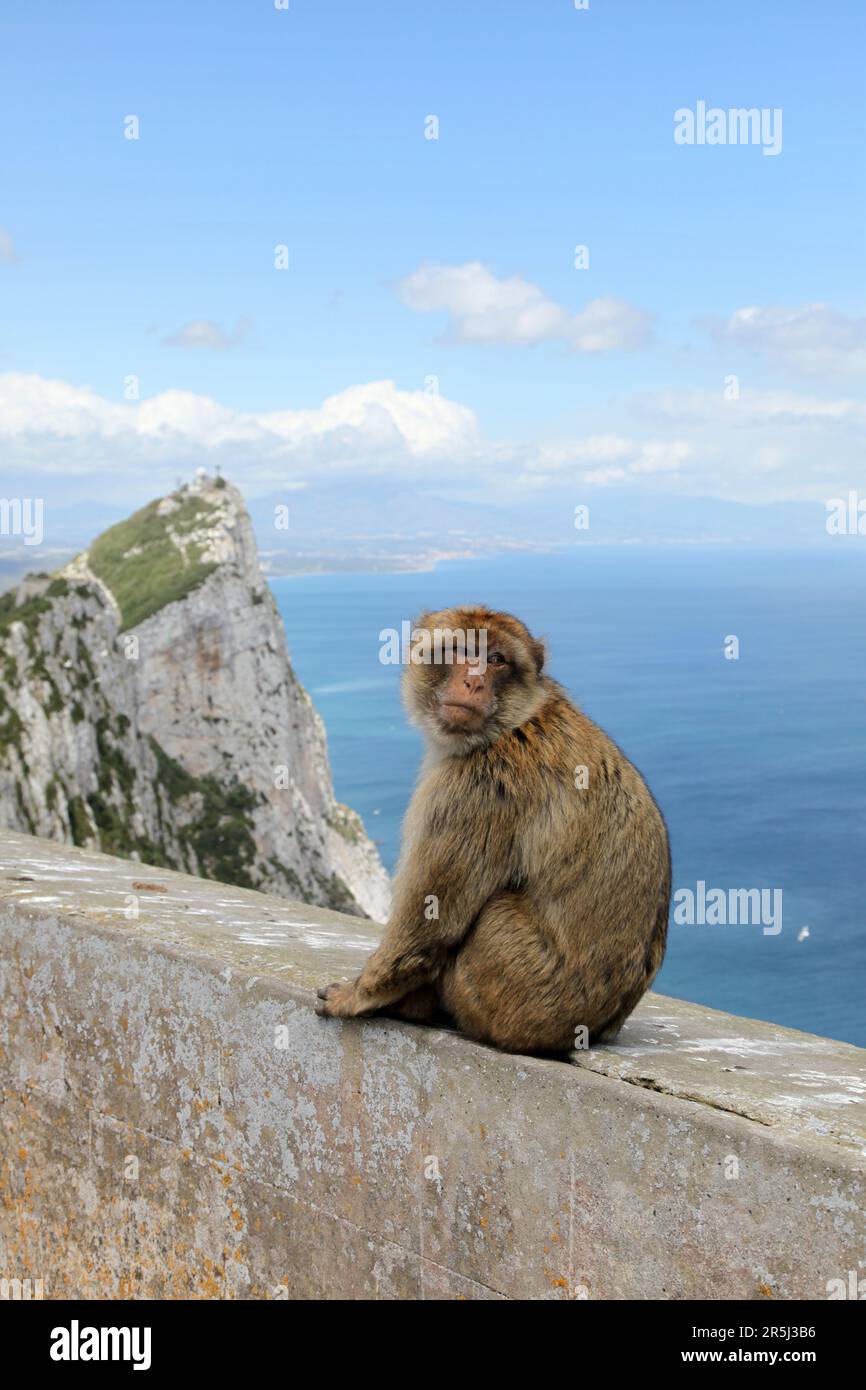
x,y
591,852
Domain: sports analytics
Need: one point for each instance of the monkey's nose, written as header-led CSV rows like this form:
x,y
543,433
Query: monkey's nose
x,y
474,684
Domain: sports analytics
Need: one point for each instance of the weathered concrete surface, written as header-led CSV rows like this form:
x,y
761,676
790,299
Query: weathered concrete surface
x,y
176,1122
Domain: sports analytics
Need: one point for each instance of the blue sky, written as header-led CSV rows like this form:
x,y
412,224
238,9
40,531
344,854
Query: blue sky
x,y
305,127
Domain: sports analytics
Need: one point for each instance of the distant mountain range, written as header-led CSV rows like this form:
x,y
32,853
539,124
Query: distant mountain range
x,y
371,523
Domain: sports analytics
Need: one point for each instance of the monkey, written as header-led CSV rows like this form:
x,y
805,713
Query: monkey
x,y
533,885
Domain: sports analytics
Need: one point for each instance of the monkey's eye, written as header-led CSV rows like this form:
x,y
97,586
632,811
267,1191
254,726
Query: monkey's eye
x,y
496,659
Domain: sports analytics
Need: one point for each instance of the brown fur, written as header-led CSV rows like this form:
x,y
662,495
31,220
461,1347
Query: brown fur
x,y
552,901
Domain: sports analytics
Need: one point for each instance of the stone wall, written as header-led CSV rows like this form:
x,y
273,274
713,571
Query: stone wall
x,y
177,1122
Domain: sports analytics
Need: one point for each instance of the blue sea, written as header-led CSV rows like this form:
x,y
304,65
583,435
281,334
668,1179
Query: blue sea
x,y
758,763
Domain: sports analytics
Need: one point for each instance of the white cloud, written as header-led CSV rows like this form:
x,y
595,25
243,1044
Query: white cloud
x,y
662,456
204,333
813,340
603,477
7,247
53,426
593,448
793,406
611,458
763,447
484,309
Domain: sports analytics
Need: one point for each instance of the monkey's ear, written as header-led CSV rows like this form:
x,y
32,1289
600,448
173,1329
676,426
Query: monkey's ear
x,y
538,654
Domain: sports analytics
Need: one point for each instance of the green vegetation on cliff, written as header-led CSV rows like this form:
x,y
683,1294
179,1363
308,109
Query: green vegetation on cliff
x,y
29,612
220,834
146,561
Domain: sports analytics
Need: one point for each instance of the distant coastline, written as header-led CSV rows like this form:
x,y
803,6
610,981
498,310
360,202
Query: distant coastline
x,y
389,555
278,565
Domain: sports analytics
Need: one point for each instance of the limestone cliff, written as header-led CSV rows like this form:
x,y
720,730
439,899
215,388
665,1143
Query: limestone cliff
x,y
148,708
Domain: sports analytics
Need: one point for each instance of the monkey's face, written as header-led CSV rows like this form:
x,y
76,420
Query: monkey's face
x,y
473,675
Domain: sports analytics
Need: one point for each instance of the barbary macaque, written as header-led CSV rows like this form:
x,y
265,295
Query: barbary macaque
x,y
531,898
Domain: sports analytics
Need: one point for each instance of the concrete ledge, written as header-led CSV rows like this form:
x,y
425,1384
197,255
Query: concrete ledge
x,y
176,1122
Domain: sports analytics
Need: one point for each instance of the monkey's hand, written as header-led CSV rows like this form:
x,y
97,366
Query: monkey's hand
x,y
342,1000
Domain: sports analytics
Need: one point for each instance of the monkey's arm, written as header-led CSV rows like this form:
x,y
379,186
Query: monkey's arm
x,y
455,862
